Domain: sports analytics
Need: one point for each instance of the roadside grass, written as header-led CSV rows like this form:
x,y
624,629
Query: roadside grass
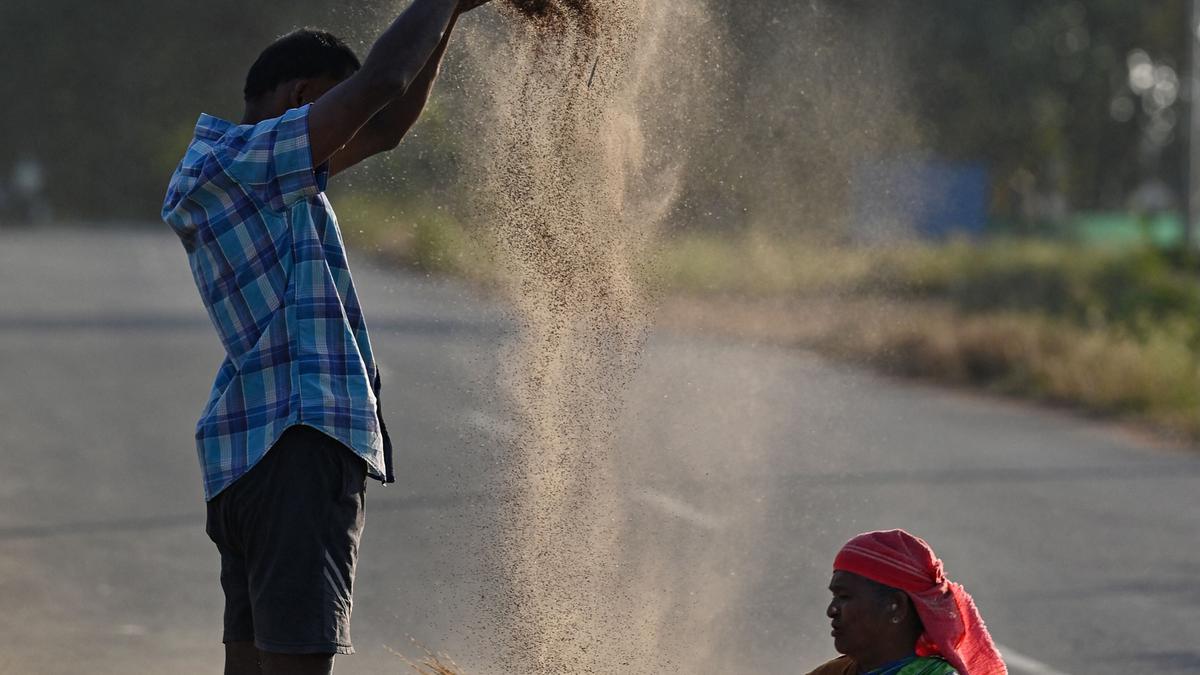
x,y
414,233
1134,289
1111,332
1153,379
431,663
1102,371
1115,333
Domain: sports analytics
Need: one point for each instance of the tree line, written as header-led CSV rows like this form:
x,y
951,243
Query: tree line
x,y
1085,101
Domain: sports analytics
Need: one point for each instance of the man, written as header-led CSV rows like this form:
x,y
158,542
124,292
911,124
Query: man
x,y
293,426
894,613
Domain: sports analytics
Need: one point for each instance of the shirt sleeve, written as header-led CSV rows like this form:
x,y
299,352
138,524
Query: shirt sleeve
x,y
273,161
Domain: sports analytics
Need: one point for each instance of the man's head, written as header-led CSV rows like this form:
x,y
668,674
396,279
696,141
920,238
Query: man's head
x,y
296,70
872,623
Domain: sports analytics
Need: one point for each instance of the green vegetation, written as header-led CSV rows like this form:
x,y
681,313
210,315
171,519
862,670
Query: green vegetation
x,y
1114,332
1153,378
1038,89
1136,291
412,234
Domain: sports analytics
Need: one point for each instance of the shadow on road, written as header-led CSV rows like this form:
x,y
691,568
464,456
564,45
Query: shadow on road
x,y
387,503
378,504
84,528
987,475
167,323
1150,661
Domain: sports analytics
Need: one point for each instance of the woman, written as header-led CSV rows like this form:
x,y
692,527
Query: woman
x,y
894,613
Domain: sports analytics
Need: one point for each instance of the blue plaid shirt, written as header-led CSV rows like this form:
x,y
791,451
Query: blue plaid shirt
x,y
268,259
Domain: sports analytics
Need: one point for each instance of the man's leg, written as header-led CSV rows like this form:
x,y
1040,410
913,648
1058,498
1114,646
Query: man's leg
x,y
296,664
303,512
241,658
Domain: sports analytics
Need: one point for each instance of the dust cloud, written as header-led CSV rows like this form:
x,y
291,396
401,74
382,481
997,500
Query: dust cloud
x,y
573,189
822,91
594,126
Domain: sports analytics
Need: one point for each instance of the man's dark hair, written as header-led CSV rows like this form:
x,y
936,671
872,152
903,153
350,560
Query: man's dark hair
x,y
302,54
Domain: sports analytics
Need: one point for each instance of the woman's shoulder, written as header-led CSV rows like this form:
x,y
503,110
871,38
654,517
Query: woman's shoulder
x,y
928,665
842,665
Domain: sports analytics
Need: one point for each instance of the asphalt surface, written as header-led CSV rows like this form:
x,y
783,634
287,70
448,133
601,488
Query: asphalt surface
x,y
743,469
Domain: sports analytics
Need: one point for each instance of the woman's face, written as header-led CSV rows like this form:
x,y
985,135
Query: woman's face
x,y
860,617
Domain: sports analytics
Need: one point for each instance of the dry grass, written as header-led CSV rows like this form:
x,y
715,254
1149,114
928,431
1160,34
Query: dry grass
x,y
1153,379
430,663
758,264
432,666
1110,332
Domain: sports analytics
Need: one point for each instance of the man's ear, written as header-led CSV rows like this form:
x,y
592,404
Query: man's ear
x,y
298,93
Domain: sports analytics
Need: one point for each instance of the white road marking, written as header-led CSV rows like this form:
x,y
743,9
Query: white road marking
x,y
680,509
1019,662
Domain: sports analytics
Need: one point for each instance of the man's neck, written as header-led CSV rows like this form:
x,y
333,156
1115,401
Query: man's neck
x,y
253,116
261,110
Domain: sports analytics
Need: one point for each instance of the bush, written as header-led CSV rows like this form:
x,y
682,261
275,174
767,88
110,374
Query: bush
x,y
413,234
1115,332
1134,291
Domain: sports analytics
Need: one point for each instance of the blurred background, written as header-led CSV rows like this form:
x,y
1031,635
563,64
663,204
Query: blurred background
x,y
1063,119
1025,163
996,195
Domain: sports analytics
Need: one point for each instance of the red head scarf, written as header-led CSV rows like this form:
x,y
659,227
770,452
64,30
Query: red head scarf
x,y
953,628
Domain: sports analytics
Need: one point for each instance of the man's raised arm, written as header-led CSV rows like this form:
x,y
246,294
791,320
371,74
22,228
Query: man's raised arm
x,y
391,124
394,63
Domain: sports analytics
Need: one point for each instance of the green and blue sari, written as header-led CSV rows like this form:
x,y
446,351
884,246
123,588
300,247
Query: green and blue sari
x,y
916,665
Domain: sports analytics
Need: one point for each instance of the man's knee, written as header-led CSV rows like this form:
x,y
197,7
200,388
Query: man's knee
x,y
296,664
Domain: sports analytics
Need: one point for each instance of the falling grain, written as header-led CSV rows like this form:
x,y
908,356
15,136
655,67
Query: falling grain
x,y
572,201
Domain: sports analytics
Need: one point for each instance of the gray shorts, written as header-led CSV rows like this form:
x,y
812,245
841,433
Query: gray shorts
x,y
288,533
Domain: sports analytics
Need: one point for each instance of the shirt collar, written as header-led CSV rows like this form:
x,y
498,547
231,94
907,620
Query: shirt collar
x,y
212,128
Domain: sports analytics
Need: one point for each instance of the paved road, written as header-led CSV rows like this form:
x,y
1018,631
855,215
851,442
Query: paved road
x,y
744,467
